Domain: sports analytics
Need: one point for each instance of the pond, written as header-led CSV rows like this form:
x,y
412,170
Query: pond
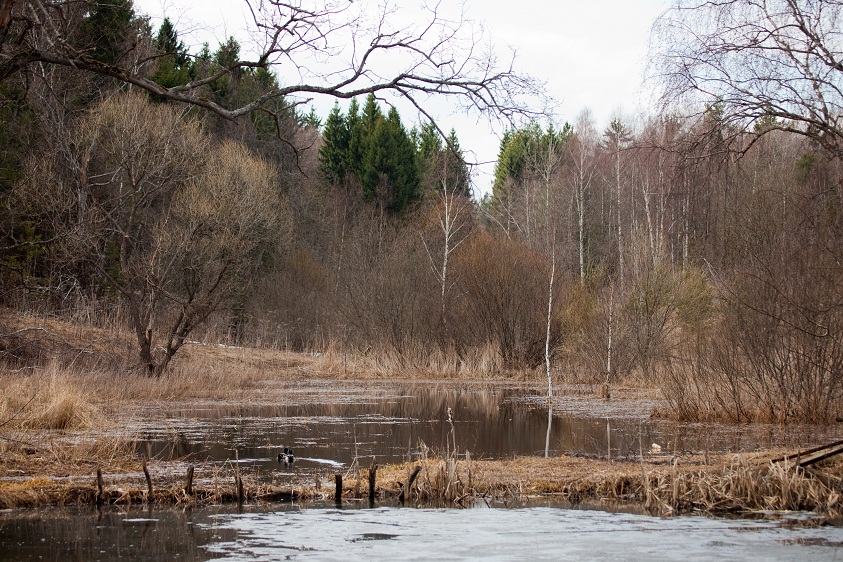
x,y
389,533
329,424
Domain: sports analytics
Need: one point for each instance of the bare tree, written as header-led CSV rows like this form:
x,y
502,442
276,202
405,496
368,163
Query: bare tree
x,y
453,215
617,138
582,148
212,240
165,222
779,62
337,48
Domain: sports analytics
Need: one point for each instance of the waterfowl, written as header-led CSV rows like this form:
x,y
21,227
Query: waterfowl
x,y
286,456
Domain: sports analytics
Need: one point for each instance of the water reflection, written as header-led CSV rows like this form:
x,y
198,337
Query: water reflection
x,y
327,430
406,534
86,534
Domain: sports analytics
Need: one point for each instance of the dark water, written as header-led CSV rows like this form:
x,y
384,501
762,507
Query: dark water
x,y
328,429
388,533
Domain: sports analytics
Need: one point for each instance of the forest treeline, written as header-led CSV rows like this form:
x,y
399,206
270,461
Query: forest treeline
x,y
693,254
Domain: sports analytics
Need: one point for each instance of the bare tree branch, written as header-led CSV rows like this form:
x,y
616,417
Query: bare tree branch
x,y
774,63
327,48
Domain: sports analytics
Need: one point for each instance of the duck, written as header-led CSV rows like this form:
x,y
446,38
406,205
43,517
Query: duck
x,y
286,456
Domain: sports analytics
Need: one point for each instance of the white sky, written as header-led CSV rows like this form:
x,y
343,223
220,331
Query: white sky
x,y
591,53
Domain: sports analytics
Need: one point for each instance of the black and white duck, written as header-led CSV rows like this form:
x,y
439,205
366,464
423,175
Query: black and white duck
x,y
286,456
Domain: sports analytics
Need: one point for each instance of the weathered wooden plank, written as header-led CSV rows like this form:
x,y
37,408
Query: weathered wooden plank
x,y
817,456
813,455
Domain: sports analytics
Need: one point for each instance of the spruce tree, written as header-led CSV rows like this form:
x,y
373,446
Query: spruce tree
x,y
333,154
356,141
174,61
107,26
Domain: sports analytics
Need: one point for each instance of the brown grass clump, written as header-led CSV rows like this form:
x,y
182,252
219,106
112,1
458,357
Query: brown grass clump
x,y
49,398
744,486
730,484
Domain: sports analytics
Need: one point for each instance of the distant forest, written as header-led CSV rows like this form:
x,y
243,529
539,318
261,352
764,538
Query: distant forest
x,y
700,251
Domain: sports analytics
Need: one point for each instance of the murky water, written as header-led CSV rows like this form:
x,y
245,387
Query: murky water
x,y
329,429
535,533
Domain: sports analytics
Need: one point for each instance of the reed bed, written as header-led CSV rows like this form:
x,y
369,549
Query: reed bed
x,y
742,487
729,485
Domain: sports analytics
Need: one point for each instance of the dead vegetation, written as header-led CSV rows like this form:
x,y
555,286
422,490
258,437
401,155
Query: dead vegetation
x,y
75,381
728,485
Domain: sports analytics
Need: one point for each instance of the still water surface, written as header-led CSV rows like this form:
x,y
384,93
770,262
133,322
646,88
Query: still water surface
x,y
327,430
388,533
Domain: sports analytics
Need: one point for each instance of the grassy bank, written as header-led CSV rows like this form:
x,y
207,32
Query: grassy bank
x,y
731,484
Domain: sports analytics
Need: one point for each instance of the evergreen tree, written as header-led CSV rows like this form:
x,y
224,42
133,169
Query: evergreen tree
x,y
174,61
107,26
458,176
402,170
438,162
333,154
430,142
370,139
390,171
310,119
226,56
356,140
167,43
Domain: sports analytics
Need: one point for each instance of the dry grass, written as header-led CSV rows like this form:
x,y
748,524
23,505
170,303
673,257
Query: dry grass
x,y
743,486
48,398
483,363
731,484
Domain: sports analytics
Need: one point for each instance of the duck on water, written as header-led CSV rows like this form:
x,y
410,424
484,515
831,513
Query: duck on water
x,y
286,456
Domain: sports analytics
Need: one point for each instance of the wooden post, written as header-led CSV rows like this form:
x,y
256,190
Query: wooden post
x,y
241,494
238,482
99,488
405,493
338,490
188,484
373,472
148,482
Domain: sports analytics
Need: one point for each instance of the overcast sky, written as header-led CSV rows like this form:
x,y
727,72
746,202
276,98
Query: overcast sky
x,y
592,54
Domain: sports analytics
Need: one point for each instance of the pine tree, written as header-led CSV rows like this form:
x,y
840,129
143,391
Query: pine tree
x,y
107,26
174,61
356,141
333,154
